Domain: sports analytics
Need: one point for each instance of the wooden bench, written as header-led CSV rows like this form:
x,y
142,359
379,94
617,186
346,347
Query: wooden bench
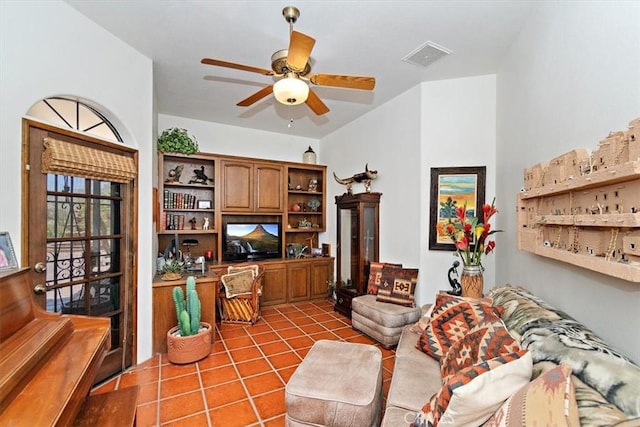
x,y
113,409
48,362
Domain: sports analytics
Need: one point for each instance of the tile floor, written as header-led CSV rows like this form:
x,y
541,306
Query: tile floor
x,y
242,382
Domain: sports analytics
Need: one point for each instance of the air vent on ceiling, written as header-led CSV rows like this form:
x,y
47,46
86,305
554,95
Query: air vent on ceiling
x,y
426,54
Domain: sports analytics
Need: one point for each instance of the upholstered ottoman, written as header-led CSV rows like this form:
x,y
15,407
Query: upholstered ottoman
x,y
382,321
337,384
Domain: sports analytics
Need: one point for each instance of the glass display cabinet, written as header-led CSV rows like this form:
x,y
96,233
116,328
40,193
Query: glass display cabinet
x,y
357,245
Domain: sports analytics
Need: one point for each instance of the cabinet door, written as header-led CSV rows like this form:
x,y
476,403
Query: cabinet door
x,y
268,187
237,182
298,281
274,284
320,272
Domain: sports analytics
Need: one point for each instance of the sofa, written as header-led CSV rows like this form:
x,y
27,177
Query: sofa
x,y
602,386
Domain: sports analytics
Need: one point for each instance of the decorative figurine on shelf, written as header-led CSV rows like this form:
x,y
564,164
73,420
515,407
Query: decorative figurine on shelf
x,y
304,223
192,221
313,184
174,174
313,204
205,223
200,177
364,177
455,284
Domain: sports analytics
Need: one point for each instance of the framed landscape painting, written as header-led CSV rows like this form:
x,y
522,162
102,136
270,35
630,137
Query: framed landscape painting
x,y
451,188
7,256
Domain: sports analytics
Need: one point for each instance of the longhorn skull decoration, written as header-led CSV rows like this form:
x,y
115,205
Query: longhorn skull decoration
x,y
364,177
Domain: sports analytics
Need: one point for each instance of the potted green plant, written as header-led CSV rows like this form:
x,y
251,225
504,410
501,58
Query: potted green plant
x,y
190,340
172,269
177,140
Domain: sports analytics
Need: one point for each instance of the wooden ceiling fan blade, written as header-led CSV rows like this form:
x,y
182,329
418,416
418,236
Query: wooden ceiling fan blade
x,y
351,82
300,46
316,104
267,90
235,66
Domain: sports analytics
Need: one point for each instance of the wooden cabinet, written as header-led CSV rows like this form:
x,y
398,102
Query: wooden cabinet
x,y
305,216
308,278
252,186
274,284
321,273
164,310
298,280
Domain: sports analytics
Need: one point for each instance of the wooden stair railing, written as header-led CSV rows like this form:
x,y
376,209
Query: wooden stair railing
x,y
48,362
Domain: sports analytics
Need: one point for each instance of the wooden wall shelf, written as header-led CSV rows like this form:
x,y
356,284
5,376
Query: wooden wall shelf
x,y
584,208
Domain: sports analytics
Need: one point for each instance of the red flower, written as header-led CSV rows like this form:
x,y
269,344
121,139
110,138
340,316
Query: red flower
x,y
489,211
462,244
490,246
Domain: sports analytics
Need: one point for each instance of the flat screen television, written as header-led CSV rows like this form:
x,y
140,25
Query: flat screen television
x,y
249,241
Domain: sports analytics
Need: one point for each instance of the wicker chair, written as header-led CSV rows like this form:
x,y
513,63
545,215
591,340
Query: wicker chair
x,y
243,307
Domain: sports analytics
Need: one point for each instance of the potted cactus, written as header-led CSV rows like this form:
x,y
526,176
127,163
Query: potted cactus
x,y
190,340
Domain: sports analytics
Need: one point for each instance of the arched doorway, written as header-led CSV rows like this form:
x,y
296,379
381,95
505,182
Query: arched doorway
x,y
79,210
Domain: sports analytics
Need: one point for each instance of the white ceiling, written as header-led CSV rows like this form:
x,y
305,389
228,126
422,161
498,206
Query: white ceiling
x,y
366,38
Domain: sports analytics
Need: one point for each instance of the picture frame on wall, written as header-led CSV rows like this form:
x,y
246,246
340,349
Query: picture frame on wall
x,y
8,258
452,187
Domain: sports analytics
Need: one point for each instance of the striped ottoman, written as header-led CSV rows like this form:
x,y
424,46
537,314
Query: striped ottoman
x,y
337,384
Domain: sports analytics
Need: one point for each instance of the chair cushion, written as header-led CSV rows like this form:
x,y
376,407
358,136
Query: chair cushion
x,y
254,268
239,283
384,314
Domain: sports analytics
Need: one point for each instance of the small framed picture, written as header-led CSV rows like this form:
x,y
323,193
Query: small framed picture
x,y
7,255
204,204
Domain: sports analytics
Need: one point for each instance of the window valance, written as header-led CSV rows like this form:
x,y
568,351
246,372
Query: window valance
x,y
66,158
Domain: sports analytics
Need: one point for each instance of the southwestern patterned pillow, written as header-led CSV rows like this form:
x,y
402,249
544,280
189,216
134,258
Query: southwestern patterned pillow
x,y
549,400
375,276
473,394
488,339
398,286
452,317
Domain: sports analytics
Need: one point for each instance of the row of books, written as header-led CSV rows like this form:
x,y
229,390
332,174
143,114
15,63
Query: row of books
x,y
173,221
178,200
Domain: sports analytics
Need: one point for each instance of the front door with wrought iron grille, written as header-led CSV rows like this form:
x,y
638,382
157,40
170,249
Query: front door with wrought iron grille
x,y
80,245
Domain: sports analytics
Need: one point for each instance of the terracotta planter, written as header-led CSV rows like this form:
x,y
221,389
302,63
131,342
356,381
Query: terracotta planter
x,y
181,350
472,281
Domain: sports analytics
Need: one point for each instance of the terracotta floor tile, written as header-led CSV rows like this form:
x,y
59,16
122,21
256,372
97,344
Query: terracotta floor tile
x,y
281,324
170,370
263,383
312,328
361,339
285,360
265,337
147,393
253,367
243,354
302,352
258,328
305,320
146,415
194,420
139,376
214,360
273,317
239,414
270,404
286,373
294,315
216,376
217,347
274,348
346,332
323,317
290,332
233,332
224,394
300,342
326,335
239,342
181,406
275,422
334,324
288,309
388,364
105,387
179,385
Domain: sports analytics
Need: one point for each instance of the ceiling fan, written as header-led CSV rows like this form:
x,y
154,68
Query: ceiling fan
x,y
294,67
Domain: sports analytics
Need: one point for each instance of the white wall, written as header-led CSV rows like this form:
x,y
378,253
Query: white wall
x,y
436,124
572,76
50,49
458,129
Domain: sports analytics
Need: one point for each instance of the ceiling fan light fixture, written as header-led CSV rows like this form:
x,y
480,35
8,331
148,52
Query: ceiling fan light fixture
x,y
291,91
